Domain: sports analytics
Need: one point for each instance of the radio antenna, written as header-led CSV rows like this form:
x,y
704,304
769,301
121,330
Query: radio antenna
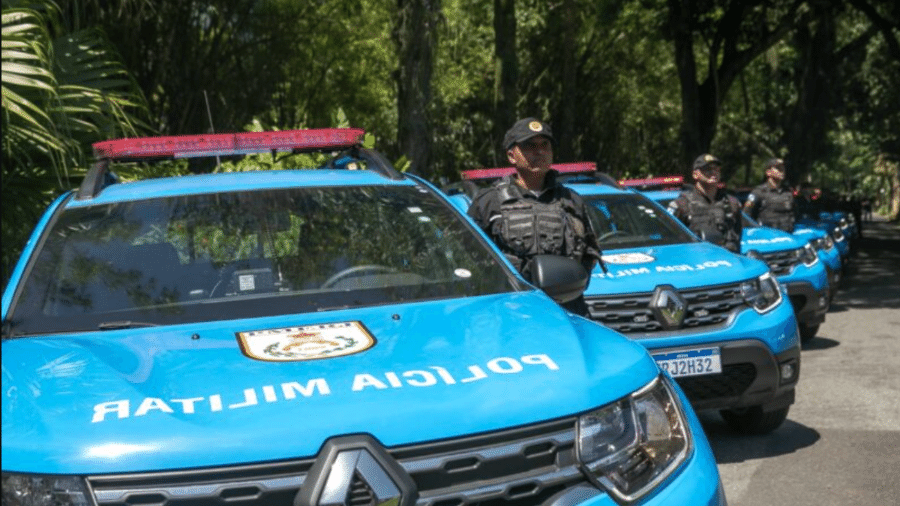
x,y
212,128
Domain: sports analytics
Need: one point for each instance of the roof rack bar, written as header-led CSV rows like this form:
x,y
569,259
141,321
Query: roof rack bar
x,y
97,178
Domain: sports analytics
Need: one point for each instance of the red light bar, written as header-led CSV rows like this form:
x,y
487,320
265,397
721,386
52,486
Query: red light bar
x,y
498,172
487,173
188,146
663,180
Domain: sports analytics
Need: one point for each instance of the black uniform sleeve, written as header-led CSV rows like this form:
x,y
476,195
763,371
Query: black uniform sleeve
x,y
679,209
483,207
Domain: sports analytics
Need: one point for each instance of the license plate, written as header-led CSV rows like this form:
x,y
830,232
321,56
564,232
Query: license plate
x,y
690,362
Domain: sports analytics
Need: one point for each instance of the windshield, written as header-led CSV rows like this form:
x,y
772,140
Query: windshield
x,y
244,254
632,221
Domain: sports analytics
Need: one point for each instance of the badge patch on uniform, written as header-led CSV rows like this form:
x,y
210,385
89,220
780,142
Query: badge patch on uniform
x,y
627,258
535,126
307,342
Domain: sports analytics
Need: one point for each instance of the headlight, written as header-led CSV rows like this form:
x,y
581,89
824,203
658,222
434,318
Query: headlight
x,y
763,293
807,255
824,243
32,490
838,234
630,446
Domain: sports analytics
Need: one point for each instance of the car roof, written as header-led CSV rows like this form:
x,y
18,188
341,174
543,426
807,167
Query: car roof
x,y
236,181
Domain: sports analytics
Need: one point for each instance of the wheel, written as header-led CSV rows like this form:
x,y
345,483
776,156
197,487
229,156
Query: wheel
x,y
357,270
807,332
754,420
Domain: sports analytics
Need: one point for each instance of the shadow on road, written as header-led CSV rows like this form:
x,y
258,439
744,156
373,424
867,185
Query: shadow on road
x,y
820,343
873,277
730,447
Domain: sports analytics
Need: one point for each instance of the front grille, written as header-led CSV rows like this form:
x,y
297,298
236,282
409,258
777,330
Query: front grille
x,y
515,467
733,381
781,262
710,306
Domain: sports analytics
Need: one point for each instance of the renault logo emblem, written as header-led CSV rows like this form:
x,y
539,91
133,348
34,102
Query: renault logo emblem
x,y
668,306
351,466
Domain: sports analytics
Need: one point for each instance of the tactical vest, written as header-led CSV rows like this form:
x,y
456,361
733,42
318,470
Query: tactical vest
x,y
530,227
776,208
719,216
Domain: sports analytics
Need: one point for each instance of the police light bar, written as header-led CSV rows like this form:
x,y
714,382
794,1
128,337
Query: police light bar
x,y
498,172
664,181
193,146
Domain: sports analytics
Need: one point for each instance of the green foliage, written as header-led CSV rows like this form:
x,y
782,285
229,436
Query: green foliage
x,y
62,90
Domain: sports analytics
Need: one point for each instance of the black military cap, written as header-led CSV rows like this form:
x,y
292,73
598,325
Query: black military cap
x,y
706,160
525,129
775,163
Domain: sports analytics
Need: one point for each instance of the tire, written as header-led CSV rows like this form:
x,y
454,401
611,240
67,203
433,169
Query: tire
x,y
807,332
754,420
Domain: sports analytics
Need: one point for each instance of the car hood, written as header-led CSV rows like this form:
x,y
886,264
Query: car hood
x,y
193,396
764,240
689,265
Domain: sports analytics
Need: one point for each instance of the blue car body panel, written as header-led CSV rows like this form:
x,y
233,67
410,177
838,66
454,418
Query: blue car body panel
x,y
130,419
831,257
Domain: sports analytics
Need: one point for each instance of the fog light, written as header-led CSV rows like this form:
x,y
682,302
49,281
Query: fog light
x,y
823,301
788,370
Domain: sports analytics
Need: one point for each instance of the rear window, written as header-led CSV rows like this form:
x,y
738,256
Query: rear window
x,y
243,254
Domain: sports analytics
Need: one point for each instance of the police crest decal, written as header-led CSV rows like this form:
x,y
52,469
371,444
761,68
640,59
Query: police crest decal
x,y
307,342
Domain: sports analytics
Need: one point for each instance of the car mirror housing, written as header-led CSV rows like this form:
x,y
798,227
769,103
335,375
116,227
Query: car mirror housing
x,y
562,278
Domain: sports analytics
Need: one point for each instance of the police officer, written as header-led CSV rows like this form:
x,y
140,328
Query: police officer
x,y
772,203
528,213
707,209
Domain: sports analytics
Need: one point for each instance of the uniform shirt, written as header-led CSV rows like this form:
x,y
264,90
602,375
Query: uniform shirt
x,y
721,215
524,224
773,207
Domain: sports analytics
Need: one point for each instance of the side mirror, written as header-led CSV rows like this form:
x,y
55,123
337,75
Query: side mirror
x,y
713,236
562,278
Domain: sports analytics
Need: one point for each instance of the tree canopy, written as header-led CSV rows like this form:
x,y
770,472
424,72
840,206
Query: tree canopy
x,y
639,86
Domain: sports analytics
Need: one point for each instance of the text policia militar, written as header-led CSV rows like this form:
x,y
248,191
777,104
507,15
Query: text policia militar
x,y
428,376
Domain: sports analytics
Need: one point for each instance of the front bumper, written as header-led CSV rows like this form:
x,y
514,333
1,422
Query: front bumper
x,y
753,348
810,304
751,376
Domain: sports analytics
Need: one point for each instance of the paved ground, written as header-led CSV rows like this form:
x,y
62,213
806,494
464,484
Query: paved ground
x,y
841,443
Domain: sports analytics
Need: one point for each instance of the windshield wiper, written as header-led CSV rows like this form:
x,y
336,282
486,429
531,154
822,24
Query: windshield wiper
x,y
125,324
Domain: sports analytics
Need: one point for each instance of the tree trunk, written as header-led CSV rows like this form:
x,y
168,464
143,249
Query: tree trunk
x,y
507,70
416,40
564,26
691,136
806,133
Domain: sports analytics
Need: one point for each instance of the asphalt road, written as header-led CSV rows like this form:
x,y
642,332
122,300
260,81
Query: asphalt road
x,y
841,443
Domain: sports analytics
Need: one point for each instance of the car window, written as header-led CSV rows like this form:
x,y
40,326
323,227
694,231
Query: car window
x,y
243,254
629,221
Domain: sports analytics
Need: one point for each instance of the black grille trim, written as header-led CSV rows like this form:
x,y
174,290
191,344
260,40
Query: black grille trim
x,y
630,314
512,467
733,381
782,262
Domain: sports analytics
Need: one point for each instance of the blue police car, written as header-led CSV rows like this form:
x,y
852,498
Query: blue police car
x,y
335,335
827,250
716,321
792,259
